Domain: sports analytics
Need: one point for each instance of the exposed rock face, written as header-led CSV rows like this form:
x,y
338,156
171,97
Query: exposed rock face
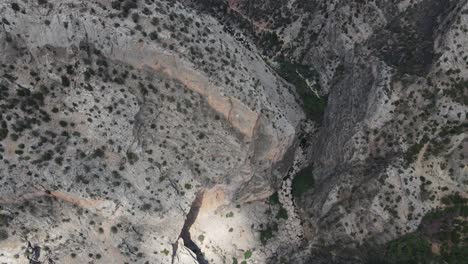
x,y
388,108
393,139
142,131
112,121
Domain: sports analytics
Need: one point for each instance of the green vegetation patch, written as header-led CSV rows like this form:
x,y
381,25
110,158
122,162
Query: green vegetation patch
x,y
445,229
274,199
282,214
303,181
247,254
3,133
132,157
268,233
458,92
298,75
3,234
412,248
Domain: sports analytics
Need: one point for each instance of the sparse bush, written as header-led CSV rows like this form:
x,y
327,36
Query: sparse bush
x,y
3,133
65,81
135,17
3,234
153,35
15,7
132,157
247,254
146,207
98,153
303,181
282,214
274,199
155,21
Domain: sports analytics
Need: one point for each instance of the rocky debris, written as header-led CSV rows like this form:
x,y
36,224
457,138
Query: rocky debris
x,y
184,255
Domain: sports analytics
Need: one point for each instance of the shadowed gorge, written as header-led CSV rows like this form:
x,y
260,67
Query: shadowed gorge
x,y
190,219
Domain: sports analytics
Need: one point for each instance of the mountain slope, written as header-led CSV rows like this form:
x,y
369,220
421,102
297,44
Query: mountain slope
x,y
213,131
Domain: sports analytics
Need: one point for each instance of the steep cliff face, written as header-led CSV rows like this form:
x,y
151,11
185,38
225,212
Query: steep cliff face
x,y
388,106
393,141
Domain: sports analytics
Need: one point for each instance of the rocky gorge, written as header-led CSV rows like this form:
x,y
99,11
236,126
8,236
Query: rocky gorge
x,y
233,131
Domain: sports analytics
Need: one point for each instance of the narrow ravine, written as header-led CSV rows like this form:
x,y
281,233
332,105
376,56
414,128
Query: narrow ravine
x,y
185,233
294,226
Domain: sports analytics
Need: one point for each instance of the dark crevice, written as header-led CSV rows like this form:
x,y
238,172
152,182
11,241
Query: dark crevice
x,y
33,253
185,233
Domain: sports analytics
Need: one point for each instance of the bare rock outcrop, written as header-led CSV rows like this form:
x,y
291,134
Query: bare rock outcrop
x,y
115,114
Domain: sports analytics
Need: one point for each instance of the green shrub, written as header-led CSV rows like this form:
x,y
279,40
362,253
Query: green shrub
x,y
297,75
454,199
303,181
458,92
447,227
132,157
65,81
3,133
98,153
411,248
3,234
282,214
268,233
274,199
153,35
146,207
